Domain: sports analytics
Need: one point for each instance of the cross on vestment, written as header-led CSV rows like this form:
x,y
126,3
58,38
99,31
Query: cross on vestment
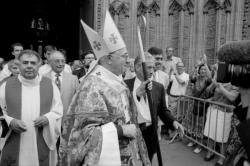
x,y
113,38
97,45
57,81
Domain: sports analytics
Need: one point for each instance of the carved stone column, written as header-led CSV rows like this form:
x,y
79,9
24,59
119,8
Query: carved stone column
x,y
99,14
203,39
232,19
181,34
228,30
170,28
218,27
147,32
192,43
116,19
238,20
133,19
200,28
165,25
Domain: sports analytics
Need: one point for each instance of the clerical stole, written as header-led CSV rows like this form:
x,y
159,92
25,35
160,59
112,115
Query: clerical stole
x,y
10,154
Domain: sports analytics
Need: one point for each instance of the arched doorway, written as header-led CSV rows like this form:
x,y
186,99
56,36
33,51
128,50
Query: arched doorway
x,y
37,23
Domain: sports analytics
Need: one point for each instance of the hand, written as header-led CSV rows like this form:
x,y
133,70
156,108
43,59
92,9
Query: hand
x,y
171,71
41,121
129,130
141,90
203,59
246,163
219,88
179,128
18,126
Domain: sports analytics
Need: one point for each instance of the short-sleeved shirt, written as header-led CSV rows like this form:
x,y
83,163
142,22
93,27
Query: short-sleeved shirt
x,y
179,89
170,64
218,97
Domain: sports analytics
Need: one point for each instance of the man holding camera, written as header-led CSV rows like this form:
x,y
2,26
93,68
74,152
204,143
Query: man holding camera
x,y
234,67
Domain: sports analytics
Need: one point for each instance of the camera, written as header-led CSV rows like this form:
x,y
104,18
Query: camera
x,y
238,75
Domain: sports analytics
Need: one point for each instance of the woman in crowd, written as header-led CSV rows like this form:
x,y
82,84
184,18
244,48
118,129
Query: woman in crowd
x,y
201,79
218,118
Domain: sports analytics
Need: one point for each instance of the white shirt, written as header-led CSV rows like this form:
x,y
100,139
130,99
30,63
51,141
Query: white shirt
x,y
169,64
44,69
142,105
179,89
161,77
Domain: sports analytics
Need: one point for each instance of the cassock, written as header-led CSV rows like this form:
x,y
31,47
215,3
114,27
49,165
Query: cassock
x,y
27,100
90,135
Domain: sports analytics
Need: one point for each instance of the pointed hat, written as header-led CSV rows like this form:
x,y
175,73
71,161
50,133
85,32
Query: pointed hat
x,y
96,41
111,34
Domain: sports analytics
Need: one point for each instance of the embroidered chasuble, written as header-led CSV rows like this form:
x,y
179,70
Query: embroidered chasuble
x,y
89,135
27,100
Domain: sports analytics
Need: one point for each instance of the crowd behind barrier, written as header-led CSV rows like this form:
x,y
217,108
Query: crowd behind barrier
x,y
214,127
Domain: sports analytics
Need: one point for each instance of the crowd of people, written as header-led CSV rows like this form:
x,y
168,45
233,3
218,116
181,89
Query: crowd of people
x,y
77,113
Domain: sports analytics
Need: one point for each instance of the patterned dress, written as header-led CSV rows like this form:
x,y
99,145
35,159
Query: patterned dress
x,y
95,104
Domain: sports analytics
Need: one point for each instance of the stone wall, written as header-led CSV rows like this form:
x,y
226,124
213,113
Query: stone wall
x,y
191,27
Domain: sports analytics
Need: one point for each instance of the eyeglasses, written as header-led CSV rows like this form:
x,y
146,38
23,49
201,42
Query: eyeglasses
x,y
89,58
158,58
18,50
57,61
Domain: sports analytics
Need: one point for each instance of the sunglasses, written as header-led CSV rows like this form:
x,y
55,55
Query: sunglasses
x,y
158,58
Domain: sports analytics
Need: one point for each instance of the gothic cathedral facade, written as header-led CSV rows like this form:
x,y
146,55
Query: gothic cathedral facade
x,y
191,27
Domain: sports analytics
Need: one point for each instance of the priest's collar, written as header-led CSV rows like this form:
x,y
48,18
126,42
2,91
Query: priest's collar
x,y
27,82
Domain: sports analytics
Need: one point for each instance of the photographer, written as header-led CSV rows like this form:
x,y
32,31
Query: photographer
x,y
234,67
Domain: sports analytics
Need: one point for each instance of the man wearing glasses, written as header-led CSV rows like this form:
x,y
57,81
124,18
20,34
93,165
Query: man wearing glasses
x,y
86,58
169,66
179,81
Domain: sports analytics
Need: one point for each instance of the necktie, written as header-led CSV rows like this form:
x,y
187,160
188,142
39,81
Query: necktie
x,y
57,81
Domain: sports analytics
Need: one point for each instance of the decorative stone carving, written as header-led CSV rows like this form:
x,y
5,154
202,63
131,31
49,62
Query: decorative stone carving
x,y
227,5
179,23
112,10
211,4
174,7
141,9
155,8
123,9
189,6
246,21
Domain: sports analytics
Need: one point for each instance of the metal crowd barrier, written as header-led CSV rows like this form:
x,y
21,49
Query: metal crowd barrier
x,y
209,125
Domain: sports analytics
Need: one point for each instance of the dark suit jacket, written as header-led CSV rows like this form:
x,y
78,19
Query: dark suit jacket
x,y
79,72
243,131
159,103
159,110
